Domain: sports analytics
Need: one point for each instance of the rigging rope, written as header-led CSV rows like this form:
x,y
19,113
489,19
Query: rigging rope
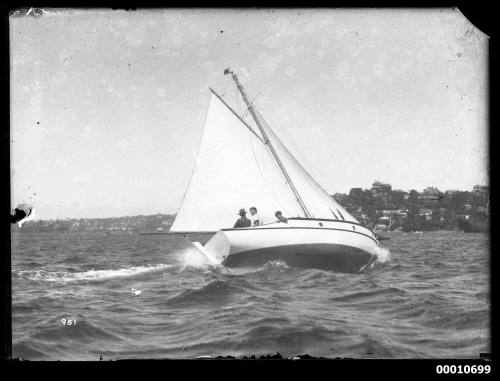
x,y
225,88
237,98
313,184
265,179
289,139
266,127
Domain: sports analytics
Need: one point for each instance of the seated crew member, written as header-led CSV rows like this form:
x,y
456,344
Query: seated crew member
x,y
254,217
280,217
243,221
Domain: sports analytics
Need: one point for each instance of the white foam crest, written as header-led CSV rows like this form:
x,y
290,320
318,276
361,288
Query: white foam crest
x,y
276,264
383,254
192,257
57,276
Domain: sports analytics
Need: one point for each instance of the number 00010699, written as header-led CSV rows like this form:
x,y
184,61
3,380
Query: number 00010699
x,y
463,369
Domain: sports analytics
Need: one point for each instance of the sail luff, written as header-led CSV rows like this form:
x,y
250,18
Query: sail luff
x,y
269,144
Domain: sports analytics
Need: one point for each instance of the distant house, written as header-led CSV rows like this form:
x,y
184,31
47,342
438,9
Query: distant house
x,y
388,212
430,194
427,213
385,220
380,189
480,190
482,210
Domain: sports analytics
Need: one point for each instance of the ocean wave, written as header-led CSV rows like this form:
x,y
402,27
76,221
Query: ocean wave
x,y
314,277
27,349
47,338
271,266
458,320
369,294
376,347
84,331
288,339
90,275
261,340
216,292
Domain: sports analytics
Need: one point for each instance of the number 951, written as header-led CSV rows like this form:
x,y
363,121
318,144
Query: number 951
x,y
68,321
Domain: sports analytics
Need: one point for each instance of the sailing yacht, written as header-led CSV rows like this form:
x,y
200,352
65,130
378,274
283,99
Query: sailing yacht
x,y
239,166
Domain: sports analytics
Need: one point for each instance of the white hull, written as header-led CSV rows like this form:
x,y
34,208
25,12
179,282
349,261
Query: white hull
x,y
325,244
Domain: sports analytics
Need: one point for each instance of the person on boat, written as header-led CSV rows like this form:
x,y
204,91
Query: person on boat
x,y
254,217
280,217
243,221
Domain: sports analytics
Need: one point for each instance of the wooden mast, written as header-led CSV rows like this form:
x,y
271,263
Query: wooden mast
x,y
268,143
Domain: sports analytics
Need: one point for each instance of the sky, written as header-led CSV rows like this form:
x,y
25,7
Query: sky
x,y
107,107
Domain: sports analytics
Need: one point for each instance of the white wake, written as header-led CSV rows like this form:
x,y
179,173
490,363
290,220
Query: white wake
x,y
90,275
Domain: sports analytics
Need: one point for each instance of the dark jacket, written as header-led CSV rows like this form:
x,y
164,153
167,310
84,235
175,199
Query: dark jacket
x,y
242,222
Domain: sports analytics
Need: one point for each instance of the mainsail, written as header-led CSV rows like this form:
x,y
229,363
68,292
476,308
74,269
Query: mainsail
x,y
235,169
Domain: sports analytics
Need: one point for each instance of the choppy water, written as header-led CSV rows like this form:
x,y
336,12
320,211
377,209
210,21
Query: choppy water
x,y
148,296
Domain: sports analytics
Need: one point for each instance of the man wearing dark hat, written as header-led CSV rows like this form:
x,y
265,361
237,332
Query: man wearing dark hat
x,y
242,222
